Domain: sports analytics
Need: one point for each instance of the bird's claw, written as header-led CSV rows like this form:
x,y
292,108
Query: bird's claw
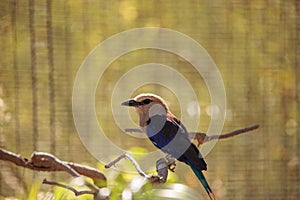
x,y
171,163
156,179
200,137
172,167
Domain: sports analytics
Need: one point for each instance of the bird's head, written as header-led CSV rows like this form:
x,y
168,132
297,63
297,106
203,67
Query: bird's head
x,y
148,105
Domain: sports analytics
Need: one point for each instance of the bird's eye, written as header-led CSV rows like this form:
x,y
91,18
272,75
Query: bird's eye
x,y
146,101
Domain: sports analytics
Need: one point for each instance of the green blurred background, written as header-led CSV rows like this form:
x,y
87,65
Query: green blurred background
x,y
255,45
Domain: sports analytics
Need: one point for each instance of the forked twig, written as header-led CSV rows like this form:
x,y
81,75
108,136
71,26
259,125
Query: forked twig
x,y
162,166
135,164
41,161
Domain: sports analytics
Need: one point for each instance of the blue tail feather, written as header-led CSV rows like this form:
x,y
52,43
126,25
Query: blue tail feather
x,y
203,181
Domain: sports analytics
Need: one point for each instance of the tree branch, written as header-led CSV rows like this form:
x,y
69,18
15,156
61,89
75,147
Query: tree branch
x,y
162,166
133,130
41,161
203,137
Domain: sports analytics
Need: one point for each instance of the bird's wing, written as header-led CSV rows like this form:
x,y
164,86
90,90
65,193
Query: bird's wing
x,y
169,136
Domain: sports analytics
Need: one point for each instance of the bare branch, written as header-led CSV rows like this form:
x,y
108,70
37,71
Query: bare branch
x,y
133,130
162,166
48,161
87,171
14,158
135,164
203,137
115,161
77,193
41,161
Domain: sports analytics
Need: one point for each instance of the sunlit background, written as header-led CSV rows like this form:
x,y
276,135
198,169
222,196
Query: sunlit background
x,y
255,45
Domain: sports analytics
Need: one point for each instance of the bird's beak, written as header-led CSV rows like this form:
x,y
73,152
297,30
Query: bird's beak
x,y
131,102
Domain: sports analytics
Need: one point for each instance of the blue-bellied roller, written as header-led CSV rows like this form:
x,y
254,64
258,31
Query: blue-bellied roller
x,y
168,134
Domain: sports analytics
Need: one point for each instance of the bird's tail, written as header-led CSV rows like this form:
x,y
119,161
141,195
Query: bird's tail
x,y
204,182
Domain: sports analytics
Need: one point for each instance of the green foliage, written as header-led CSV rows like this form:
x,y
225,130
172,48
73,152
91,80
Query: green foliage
x,y
99,182
60,193
34,190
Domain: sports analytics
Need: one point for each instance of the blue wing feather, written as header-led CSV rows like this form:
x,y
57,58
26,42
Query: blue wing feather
x,y
170,136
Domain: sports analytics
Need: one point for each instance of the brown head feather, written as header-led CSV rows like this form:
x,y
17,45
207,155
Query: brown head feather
x,y
157,106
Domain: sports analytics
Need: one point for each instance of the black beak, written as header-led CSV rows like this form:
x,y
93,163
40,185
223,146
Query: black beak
x,y
131,102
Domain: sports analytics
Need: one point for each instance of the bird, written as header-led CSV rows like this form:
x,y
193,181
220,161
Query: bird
x,y
168,133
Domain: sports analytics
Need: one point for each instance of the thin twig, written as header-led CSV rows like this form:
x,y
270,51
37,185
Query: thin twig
x,y
162,166
115,161
202,137
76,192
133,130
135,164
233,133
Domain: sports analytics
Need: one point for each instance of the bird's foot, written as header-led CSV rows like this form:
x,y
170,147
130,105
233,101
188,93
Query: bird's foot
x,y
172,167
200,137
171,163
156,179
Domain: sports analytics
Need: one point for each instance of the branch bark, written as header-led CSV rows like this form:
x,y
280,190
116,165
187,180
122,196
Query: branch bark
x,y
41,161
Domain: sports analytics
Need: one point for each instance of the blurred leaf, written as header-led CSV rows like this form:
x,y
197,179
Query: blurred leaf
x,y
99,182
138,150
176,191
35,187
